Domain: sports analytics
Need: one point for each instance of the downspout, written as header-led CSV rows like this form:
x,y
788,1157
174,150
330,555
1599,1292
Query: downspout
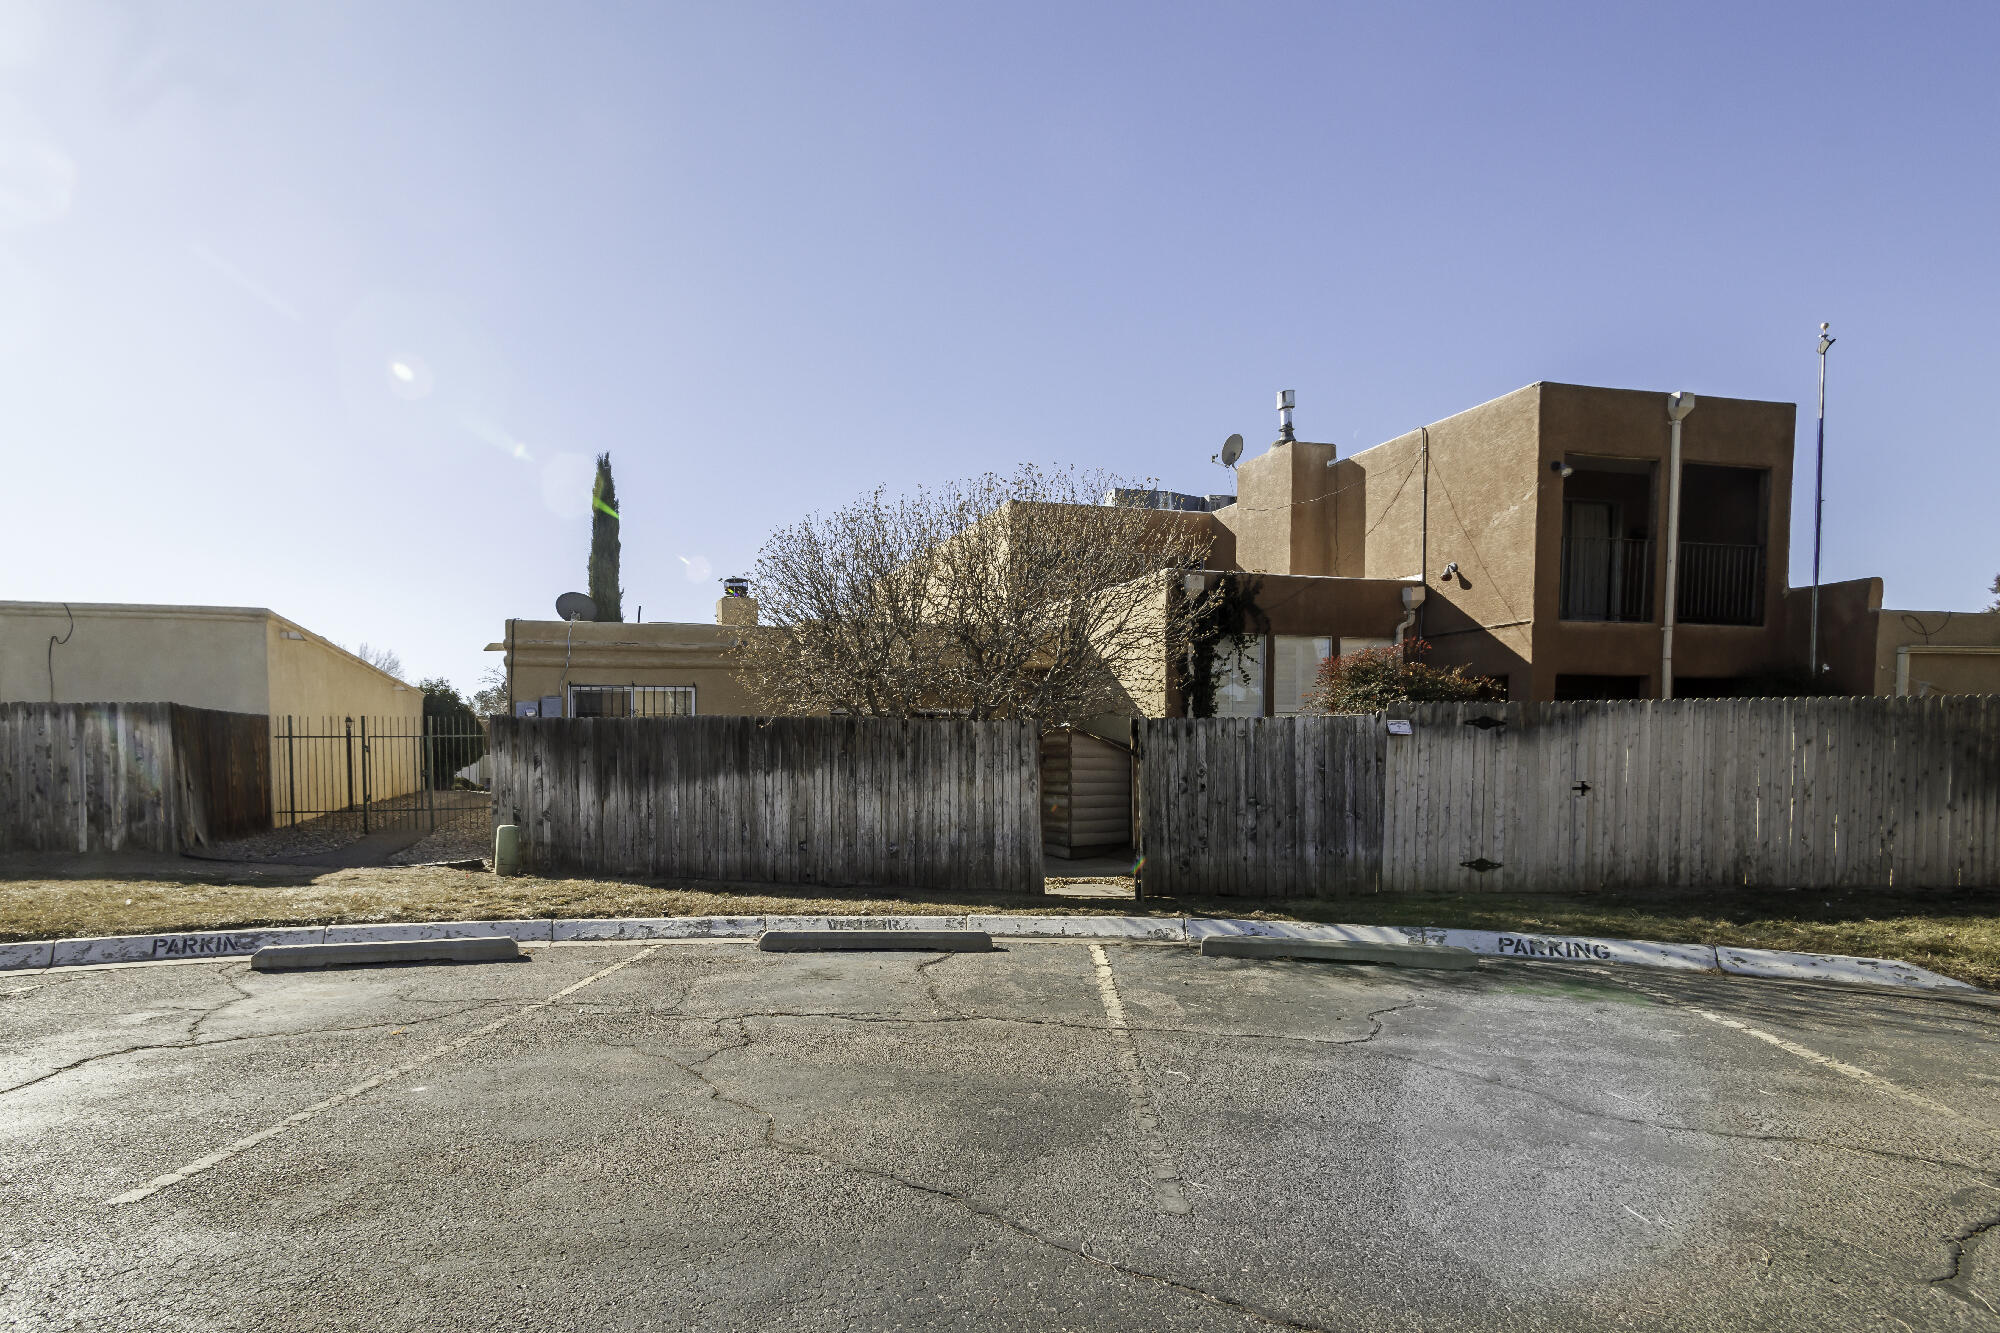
x,y
1678,406
1413,598
510,666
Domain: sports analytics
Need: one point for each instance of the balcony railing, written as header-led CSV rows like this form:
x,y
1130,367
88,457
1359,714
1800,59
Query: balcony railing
x,y
1607,578
1719,584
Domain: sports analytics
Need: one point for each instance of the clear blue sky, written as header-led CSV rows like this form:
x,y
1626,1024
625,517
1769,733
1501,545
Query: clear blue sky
x,y
770,256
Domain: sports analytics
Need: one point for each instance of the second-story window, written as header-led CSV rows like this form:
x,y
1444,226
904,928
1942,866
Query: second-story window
x,y
1607,542
1720,579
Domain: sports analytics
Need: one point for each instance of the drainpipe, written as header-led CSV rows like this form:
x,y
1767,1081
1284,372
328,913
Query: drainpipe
x,y
1678,406
1412,599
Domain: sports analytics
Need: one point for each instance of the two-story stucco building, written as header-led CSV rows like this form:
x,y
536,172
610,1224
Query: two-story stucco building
x,y
1526,539
1532,535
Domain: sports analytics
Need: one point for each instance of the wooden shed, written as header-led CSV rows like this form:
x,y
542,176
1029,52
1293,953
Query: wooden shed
x,y
1086,795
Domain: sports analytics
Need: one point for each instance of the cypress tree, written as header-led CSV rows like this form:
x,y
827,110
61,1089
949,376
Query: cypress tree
x,y
604,589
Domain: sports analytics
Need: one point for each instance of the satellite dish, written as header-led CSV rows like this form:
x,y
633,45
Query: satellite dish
x,y
1232,449
575,606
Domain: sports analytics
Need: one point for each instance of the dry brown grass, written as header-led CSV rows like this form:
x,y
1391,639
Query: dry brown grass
x,y
45,901
1956,932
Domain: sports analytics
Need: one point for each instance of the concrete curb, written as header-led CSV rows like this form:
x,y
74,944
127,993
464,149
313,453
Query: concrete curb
x,y
527,932
163,948
1168,928
36,954
658,928
1762,963
1338,951
925,941
299,957
1782,966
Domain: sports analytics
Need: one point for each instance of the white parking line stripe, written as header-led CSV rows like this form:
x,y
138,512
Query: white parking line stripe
x,y
345,1095
1854,1072
1169,1196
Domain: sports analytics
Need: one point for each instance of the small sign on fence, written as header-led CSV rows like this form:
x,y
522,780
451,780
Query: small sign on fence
x,y
1399,726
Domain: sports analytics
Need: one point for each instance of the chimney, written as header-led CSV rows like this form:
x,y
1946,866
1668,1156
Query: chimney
x,y
737,606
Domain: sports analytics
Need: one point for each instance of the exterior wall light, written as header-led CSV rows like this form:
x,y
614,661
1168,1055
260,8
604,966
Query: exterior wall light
x,y
1561,469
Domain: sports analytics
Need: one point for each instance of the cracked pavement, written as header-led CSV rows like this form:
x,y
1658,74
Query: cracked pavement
x,y
703,1136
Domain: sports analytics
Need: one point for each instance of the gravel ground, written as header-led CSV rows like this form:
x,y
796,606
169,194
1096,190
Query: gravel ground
x,y
466,836
463,831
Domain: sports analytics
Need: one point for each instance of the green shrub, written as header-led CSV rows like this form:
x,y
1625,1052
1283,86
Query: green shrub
x,y
453,735
1376,678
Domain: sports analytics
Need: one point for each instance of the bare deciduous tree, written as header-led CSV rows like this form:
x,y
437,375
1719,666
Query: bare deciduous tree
x,y
490,699
1003,596
382,659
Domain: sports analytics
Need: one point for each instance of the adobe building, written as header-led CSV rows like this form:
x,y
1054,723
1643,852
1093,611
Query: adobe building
x,y
588,668
1527,539
241,659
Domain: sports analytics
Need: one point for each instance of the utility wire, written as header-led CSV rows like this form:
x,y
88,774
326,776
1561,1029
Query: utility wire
x,y
53,641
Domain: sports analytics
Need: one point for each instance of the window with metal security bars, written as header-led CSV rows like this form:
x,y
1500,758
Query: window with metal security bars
x,y
631,701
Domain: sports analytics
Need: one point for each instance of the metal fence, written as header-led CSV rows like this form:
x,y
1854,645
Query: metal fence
x,y
1719,584
374,773
631,701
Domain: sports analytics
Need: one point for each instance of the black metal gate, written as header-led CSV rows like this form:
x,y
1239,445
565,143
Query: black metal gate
x,y
361,775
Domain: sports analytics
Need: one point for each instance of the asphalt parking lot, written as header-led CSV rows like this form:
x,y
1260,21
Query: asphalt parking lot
x,y
1056,1135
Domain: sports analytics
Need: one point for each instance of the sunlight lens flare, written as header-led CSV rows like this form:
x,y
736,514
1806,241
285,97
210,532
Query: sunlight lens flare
x,y
410,378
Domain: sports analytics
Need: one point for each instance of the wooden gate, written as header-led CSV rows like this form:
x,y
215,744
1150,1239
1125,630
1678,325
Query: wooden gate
x,y
1260,807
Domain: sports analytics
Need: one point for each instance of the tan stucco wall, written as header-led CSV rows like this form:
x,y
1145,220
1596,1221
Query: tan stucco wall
x,y
1930,637
203,656
227,657
1848,616
312,677
654,653
1143,679
1484,499
1943,670
1282,520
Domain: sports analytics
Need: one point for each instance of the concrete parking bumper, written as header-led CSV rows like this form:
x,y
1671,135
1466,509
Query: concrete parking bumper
x,y
474,949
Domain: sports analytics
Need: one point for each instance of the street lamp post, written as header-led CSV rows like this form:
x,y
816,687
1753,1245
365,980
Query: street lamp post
x,y
1819,501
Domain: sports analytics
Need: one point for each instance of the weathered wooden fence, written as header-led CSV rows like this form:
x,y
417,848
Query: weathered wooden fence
x,y
930,803
110,777
1260,807
1810,793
